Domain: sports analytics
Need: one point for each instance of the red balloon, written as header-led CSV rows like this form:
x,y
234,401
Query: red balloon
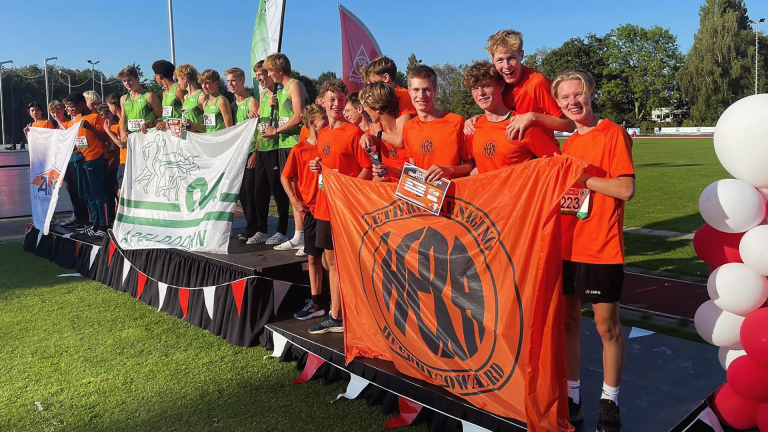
x,y
754,336
716,247
762,418
748,379
733,410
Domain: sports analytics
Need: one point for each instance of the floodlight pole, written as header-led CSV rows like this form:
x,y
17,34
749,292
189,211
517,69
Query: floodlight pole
x,y
69,81
93,72
47,94
2,110
170,29
757,53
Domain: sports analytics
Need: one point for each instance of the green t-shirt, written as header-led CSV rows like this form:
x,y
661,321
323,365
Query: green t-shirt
x,y
194,112
241,114
137,111
212,117
171,104
265,144
290,137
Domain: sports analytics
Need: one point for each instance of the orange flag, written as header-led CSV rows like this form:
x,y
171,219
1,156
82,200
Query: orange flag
x,y
469,300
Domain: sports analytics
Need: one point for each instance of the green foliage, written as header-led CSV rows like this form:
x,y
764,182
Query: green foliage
x,y
309,85
323,77
536,60
719,68
412,63
451,94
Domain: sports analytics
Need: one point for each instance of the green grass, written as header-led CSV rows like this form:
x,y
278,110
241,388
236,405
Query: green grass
x,y
671,255
98,360
671,174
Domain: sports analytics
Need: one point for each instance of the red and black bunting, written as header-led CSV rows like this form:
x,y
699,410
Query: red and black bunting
x,y
112,248
184,301
238,291
140,285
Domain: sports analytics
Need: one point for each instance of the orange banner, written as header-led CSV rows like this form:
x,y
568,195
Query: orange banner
x,y
469,300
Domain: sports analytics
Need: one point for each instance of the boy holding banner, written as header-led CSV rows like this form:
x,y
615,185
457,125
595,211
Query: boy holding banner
x,y
217,114
300,184
489,144
194,99
381,103
36,112
593,238
173,94
383,69
339,149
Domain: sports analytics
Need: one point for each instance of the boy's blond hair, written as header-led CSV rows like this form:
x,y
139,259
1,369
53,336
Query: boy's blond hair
x,y
55,105
187,71
380,97
209,75
587,80
505,41
379,66
236,72
333,85
278,62
91,96
481,72
310,112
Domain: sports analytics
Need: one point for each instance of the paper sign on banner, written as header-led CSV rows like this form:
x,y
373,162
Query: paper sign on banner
x,y
426,195
49,153
182,193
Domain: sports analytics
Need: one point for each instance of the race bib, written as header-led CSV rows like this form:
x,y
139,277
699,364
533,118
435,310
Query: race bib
x,y
263,127
320,181
576,202
209,119
81,142
167,111
282,120
135,124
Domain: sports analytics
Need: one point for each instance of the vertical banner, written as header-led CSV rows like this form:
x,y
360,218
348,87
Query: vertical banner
x,y
469,299
267,32
49,153
181,193
358,47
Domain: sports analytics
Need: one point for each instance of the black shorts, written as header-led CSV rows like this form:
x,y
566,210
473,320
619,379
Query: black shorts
x,y
120,175
596,283
323,235
310,234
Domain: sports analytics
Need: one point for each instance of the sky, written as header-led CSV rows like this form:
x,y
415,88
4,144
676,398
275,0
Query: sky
x,y
217,34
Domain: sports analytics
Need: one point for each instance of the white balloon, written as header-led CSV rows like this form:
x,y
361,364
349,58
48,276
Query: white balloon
x,y
753,249
732,206
717,326
736,288
726,356
740,140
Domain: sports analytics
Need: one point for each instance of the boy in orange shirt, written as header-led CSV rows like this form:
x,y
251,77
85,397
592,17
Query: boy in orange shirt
x,y
433,140
489,144
90,162
339,149
354,113
380,102
593,238
36,112
300,185
383,69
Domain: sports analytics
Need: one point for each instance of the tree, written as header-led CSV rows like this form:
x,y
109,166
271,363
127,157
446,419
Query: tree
x,y
451,94
718,69
640,73
412,63
309,85
536,60
577,53
325,76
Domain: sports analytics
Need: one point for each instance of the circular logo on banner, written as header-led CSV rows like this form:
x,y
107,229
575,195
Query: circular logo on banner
x,y
432,283
326,150
427,146
489,149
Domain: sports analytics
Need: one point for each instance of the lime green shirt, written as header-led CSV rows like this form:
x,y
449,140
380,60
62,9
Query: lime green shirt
x,y
171,104
290,137
194,112
137,111
241,114
212,117
265,144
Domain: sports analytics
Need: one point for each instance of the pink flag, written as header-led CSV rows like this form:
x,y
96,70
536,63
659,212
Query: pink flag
x,y
358,47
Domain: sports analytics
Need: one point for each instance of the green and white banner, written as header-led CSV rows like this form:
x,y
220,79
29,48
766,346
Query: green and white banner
x,y
267,32
181,193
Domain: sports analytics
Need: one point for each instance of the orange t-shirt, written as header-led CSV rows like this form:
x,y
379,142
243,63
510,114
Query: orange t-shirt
x,y
87,143
46,124
404,103
304,134
533,93
340,151
119,131
599,239
297,167
492,150
438,142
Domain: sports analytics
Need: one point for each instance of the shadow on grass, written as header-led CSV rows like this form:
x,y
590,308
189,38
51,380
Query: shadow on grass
x,y
672,255
686,224
665,165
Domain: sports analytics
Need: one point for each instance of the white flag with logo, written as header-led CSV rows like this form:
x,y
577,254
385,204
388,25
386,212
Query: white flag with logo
x,y
181,193
49,153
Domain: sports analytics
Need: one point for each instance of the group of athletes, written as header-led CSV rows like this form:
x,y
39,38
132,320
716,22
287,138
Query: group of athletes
x,y
296,140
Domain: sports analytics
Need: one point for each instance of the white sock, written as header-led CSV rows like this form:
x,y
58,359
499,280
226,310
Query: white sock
x,y
298,237
573,390
610,393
